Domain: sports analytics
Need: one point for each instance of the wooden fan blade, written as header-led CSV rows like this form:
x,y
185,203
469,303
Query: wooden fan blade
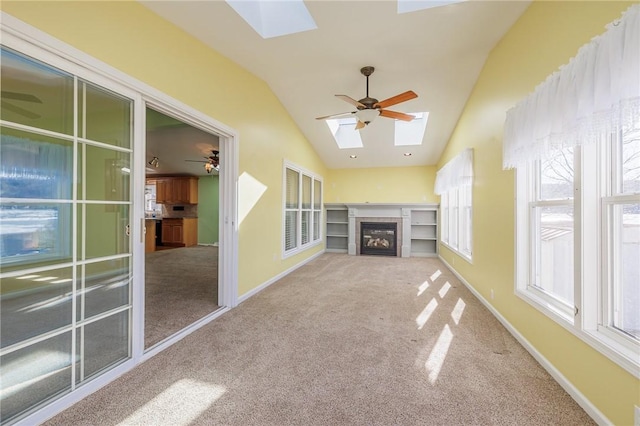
x,y
397,115
342,114
351,101
402,97
20,111
20,96
360,125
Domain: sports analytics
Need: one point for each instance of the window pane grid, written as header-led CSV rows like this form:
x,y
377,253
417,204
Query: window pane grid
x,y
553,250
457,215
556,180
453,219
306,192
45,222
628,164
624,242
303,204
444,203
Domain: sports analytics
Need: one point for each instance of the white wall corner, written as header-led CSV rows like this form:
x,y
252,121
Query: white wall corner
x,y
586,405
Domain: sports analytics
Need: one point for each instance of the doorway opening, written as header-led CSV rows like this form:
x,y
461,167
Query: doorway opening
x,y
181,226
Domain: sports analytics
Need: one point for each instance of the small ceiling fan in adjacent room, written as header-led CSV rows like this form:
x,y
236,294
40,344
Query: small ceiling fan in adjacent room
x,y
369,108
19,97
211,162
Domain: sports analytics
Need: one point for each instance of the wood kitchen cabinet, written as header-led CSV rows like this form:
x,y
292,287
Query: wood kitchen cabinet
x,y
177,190
181,232
149,235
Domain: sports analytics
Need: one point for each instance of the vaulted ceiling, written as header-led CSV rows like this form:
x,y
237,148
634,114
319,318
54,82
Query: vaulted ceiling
x,y
437,52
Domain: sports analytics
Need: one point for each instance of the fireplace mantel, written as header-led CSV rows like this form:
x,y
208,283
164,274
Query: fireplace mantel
x,y
417,226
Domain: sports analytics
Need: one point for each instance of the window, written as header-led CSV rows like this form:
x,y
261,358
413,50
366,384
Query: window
x,y
546,192
302,210
578,239
578,194
444,222
342,131
454,183
620,227
408,133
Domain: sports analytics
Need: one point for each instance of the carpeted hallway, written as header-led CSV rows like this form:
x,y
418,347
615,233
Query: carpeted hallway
x,y
344,340
181,286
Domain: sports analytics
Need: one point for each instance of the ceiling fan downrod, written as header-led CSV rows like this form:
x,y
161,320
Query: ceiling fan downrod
x,y
367,101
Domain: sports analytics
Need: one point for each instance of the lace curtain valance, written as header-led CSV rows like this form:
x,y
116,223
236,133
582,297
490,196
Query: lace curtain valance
x,y
596,94
457,172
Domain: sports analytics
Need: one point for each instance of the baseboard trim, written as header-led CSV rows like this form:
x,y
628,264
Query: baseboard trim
x,y
272,280
582,401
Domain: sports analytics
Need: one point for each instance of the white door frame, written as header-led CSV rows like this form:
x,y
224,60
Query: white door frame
x,y
228,231
25,38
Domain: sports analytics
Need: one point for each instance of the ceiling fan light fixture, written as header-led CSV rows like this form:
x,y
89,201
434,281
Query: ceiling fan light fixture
x,y
367,115
211,166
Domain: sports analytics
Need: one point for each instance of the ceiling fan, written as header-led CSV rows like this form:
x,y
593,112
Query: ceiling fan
x,y
23,97
369,108
211,162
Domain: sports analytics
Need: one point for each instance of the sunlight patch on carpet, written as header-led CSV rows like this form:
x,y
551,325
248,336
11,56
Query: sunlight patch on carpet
x,y
438,354
180,404
443,291
423,287
456,314
435,276
422,319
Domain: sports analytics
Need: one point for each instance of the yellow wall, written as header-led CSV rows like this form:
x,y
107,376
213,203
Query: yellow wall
x,y
134,40
546,37
383,185
131,38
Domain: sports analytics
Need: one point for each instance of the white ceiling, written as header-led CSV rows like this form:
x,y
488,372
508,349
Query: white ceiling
x,y
438,53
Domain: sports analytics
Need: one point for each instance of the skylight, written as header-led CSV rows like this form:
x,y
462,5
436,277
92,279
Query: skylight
x,y
411,132
405,6
273,18
343,131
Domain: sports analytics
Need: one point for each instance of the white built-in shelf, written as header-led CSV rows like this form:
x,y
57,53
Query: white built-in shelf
x,y
337,231
424,232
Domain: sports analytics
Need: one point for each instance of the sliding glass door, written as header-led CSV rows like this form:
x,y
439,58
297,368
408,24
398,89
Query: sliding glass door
x,y
65,246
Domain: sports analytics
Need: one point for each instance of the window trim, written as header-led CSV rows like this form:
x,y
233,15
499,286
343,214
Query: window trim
x,y
312,242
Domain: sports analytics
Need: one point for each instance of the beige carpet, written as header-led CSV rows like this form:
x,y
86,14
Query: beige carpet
x,y
343,340
181,286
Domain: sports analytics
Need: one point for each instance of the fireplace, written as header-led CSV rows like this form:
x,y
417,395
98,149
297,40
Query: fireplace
x,y
378,238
